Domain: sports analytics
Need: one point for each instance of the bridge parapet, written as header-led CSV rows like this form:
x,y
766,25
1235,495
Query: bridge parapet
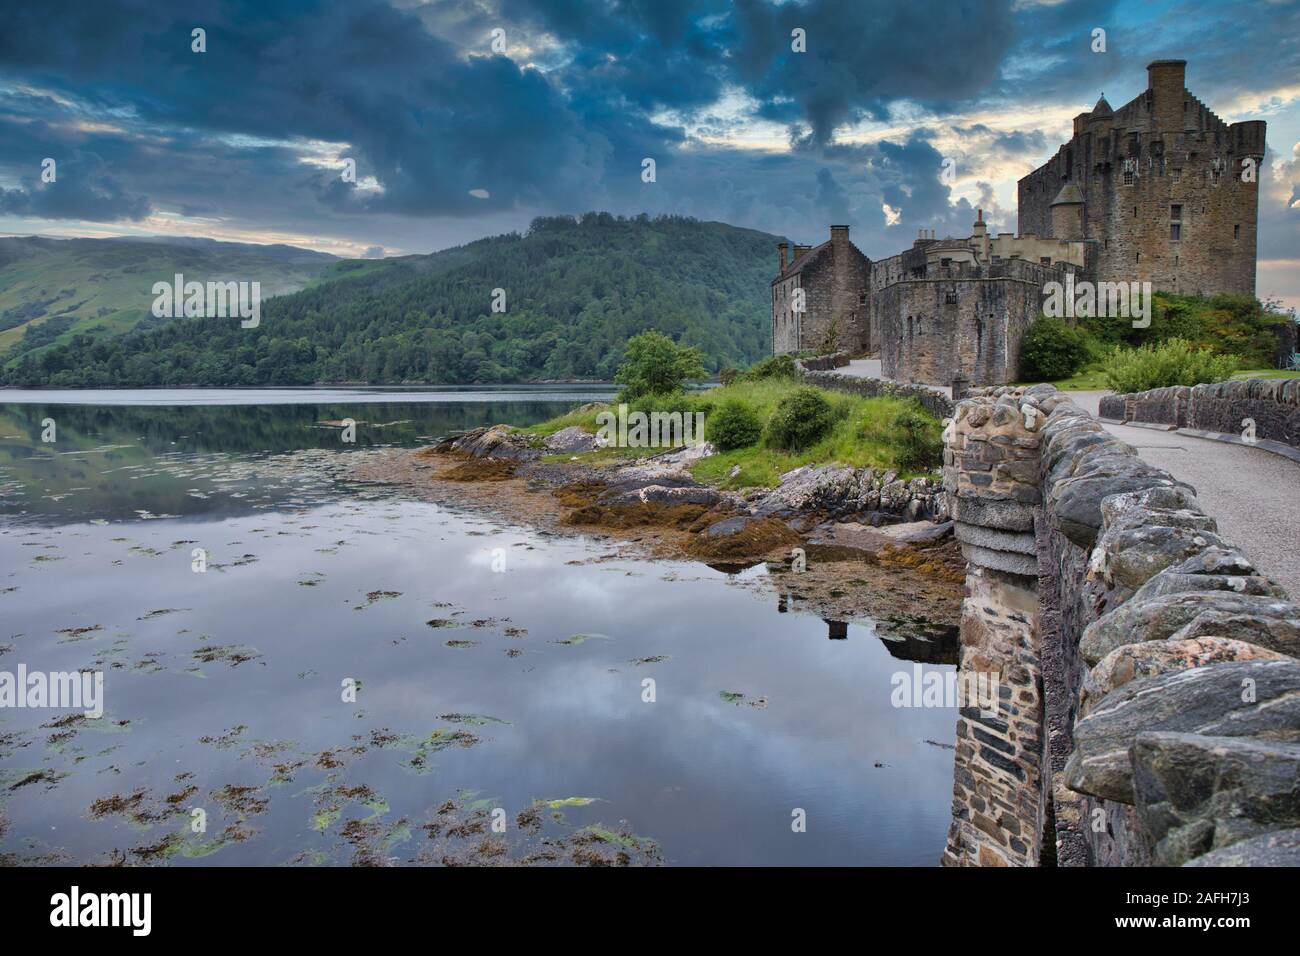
x,y
1139,653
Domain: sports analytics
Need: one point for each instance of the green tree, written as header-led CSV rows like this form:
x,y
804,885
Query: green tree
x,y
653,364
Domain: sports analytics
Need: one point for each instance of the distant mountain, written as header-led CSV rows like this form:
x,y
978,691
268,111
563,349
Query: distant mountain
x,y
572,291
53,289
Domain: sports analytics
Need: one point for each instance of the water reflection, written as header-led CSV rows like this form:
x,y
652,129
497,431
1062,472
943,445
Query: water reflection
x,y
478,687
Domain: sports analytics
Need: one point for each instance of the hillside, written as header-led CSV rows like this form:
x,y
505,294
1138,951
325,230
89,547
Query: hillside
x,y
575,291
57,288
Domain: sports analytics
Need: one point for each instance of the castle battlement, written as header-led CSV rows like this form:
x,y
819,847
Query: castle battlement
x,y
1161,190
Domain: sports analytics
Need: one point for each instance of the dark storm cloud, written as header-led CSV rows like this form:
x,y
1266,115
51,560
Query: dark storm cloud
x,y
862,56
138,121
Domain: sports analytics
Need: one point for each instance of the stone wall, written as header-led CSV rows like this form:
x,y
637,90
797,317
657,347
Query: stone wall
x,y
825,363
1163,663
1161,160
1273,405
934,402
971,319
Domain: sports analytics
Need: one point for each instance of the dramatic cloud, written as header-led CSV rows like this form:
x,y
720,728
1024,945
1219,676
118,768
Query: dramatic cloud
x,y
467,117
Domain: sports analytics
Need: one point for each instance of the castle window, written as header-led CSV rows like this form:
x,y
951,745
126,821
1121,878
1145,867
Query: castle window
x,y
1178,174
1138,257
862,298
1176,212
1236,232
1175,231
1128,177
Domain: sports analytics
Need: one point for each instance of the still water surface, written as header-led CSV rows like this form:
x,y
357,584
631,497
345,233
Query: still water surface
x,y
498,666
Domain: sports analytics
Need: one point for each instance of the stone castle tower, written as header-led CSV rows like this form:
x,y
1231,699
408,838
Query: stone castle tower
x,y
1167,191
1160,190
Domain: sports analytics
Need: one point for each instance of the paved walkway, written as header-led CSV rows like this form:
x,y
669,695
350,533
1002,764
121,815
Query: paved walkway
x,y
1254,494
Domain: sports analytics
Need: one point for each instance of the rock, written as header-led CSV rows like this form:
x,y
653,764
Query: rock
x,y
1136,661
835,491
1025,565
1196,793
1256,619
498,441
668,495
1205,700
1006,515
571,439
1077,513
1130,557
1279,848
1176,506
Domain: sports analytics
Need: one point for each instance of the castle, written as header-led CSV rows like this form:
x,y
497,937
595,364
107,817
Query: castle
x,y
1160,190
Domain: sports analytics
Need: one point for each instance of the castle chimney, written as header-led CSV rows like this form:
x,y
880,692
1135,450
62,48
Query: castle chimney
x,y
783,248
798,251
1166,81
840,243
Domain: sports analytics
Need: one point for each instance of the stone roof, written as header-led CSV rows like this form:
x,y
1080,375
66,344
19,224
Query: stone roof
x,y
805,260
1068,196
1102,108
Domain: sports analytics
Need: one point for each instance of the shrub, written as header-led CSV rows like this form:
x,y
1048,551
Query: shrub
x,y
1161,364
654,364
728,375
1052,350
919,441
733,425
802,418
774,366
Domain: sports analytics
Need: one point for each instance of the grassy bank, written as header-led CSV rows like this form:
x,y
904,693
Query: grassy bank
x,y
862,433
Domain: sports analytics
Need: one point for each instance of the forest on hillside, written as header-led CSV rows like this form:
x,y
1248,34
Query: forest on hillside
x,y
575,289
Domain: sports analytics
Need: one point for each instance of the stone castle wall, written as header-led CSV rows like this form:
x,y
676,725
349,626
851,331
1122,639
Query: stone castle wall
x,y
1160,160
962,319
1163,666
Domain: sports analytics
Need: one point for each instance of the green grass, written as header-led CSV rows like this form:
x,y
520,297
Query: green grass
x,y
861,436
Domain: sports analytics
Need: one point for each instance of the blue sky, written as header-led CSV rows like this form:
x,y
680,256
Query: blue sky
x,y
454,140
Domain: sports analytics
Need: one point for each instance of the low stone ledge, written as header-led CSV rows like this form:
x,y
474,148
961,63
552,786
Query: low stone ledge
x,y
936,403
1262,409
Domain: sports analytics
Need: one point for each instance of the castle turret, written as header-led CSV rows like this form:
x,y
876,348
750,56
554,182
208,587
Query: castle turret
x,y
1166,86
1067,213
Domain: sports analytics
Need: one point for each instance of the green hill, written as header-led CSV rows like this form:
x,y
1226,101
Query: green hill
x,y
574,291
58,288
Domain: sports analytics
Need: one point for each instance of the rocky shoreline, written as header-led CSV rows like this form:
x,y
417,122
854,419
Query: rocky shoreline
x,y
841,542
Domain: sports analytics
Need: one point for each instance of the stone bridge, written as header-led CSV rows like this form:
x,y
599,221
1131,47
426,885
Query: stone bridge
x,y
1148,706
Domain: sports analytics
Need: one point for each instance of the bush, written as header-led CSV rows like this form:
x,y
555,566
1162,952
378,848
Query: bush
x,y
774,366
919,440
733,425
1161,364
728,375
654,364
1052,350
802,418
